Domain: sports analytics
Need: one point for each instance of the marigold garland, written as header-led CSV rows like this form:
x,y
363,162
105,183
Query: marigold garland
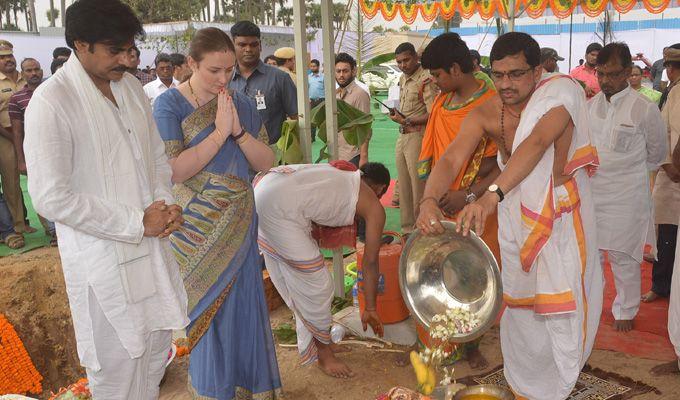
x,y
17,372
487,9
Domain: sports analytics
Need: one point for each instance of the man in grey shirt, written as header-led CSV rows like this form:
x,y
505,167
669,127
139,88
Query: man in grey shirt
x,y
272,90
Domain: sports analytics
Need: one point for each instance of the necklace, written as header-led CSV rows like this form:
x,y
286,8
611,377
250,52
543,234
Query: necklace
x,y
198,104
505,147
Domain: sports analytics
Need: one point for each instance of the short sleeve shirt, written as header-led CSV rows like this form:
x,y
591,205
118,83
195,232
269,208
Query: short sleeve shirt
x,y
416,93
7,88
18,103
280,95
356,97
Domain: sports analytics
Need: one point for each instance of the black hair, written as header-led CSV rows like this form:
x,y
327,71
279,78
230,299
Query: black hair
x,y
593,47
674,64
405,47
513,43
61,52
244,28
444,51
280,61
56,64
101,21
476,56
270,57
27,59
178,59
617,50
136,50
345,58
315,62
162,57
638,67
375,172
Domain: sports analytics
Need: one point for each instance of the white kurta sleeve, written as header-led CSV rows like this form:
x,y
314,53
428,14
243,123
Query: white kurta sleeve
x,y
162,189
656,137
49,146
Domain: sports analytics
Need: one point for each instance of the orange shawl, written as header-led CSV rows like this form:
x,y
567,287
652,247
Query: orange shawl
x,y
442,128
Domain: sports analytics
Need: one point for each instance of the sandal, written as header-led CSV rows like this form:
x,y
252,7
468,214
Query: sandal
x,y
15,241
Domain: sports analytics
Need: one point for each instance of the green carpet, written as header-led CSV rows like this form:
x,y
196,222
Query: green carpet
x,y
33,240
381,149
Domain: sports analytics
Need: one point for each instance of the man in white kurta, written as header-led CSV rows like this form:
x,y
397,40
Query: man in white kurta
x,y
630,137
98,169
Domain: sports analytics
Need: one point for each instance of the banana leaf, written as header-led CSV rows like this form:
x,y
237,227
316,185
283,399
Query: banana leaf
x,y
354,124
377,60
288,146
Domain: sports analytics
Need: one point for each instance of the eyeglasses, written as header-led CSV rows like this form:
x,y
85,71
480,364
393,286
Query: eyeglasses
x,y
610,75
514,75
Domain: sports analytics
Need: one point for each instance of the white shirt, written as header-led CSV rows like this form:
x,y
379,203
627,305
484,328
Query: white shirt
x,y
66,186
630,137
156,88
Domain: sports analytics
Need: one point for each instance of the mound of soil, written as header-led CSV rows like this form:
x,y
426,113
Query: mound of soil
x,y
33,298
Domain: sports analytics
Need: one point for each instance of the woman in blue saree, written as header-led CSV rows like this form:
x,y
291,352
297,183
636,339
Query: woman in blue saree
x,y
211,140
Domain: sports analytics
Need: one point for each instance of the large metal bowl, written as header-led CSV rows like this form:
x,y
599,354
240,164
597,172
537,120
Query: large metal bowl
x,y
493,391
440,272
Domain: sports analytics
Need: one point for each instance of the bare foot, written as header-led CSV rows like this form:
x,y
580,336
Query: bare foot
x,y
623,325
330,365
649,297
476,359
668,368
340,348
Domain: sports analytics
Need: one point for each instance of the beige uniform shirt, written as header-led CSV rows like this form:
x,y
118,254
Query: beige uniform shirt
x,y
416,96
667,192
290,73
7,88
356,97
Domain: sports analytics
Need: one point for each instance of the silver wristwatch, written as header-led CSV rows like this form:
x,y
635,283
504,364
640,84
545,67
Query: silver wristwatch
x,y
470,196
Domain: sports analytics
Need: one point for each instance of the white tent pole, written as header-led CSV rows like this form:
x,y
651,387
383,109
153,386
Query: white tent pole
x,y
304,117
511,15
331,119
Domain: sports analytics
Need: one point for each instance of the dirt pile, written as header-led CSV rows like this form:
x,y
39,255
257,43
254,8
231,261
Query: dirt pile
x,y
33,298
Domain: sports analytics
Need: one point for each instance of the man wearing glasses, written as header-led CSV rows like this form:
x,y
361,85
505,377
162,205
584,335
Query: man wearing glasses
x,y
552,279
630,137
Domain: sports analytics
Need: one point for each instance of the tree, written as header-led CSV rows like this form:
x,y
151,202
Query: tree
x,y
52,15
285,16
405,28
378,29
150,11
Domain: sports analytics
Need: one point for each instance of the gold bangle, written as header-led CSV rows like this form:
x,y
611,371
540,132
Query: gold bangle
x,y
242,140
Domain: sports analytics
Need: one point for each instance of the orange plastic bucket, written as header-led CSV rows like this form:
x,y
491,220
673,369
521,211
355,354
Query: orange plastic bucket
x,y
390,305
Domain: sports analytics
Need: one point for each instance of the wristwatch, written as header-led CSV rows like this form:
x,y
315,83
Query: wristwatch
x,y
495,189
470,196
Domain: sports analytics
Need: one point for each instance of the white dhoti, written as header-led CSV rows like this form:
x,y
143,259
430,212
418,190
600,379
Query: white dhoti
x,y
674,307
552,278
122,377
547,338
288,200
626,271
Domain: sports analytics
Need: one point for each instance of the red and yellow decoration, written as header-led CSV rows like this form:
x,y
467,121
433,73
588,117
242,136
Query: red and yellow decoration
x,y
17,372
429,10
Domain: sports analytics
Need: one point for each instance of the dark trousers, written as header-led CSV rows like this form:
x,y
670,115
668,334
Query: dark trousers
x,y
663,267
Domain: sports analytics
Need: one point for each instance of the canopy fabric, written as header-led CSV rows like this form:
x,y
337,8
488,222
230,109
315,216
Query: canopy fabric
x,y
487,9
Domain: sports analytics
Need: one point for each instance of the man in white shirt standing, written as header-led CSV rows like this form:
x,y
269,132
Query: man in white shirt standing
x,y
165,80
630,137
97,167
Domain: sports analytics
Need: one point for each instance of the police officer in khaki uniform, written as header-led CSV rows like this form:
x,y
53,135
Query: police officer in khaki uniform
x,y
11,81
416,95
285,59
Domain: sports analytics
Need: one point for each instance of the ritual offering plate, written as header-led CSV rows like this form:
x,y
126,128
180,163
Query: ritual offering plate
x,y
484,392
445,272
